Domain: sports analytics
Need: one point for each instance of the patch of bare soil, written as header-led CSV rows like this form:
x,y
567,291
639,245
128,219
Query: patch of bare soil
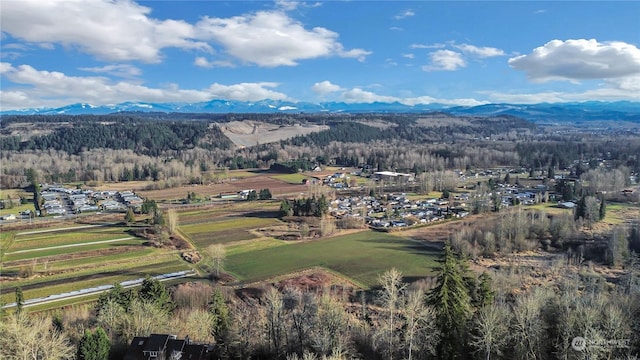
x,y
316,280
249,133
262,181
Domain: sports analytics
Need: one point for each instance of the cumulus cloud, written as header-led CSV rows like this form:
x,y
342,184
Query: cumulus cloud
x,y
325,87
357,95
41,88
408,56
404,14
483,52
125,31
580,59
445,60
109,30
271,38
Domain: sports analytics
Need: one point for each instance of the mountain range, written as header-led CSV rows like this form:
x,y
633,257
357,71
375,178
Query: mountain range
x,y
542,112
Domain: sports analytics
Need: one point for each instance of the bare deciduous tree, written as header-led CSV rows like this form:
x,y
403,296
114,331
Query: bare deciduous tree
x,y
32,337
218,255
172,220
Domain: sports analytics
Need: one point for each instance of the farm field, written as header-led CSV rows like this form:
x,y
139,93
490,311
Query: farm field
x,y
59,260
361,256
263,180
205,228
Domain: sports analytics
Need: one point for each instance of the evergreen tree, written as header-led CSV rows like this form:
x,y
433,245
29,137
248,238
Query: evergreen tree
x,y
152,290
452,303
94,346
285,209
581,208
484,294
149,206
130,216
253,195
19,300
265,194
158,219
603,208
218,307
119,294
87,347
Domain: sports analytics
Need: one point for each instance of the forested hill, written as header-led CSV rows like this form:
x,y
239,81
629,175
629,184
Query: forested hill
x,y
74,134
155,133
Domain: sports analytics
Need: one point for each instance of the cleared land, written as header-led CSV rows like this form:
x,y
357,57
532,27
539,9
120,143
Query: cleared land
x,y
360,256
262,180
249,133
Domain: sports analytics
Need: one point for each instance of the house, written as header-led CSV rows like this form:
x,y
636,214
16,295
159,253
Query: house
x,y
166,347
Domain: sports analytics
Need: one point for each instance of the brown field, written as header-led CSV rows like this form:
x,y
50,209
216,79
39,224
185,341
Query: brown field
x,y
250,133
261,181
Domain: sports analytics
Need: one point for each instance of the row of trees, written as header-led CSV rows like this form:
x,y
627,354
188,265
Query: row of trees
x,y
305,206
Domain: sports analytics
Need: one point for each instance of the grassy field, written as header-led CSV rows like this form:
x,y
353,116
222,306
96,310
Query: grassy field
x,y
360,256
224,230
59,260
291,178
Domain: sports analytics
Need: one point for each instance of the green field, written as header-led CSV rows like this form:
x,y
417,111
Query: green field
x,y
223,230
361,256
74,258
291,178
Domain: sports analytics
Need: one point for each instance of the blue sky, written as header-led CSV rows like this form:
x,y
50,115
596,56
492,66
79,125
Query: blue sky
x,y
100,52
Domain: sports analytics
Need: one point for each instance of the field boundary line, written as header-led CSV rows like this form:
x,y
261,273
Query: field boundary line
x,y
69,245
62,229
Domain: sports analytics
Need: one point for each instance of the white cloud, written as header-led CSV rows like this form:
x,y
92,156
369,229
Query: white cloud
x,y
580,59
109,30
120,70
247,91
611,90
482,52
408,56
325,87
39,88
271,38
404,14
287,5
357,95
204,63
424,46
445,60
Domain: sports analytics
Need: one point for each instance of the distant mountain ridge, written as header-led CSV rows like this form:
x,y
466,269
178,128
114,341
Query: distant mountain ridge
x,y
584,111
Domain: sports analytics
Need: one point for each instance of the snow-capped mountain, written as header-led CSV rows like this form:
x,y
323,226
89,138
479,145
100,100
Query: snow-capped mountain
x,y
586,111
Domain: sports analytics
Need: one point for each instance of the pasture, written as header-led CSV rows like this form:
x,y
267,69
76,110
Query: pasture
x,y
210,227
360,256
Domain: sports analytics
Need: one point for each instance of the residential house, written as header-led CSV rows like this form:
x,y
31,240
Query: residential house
x,y
167,347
